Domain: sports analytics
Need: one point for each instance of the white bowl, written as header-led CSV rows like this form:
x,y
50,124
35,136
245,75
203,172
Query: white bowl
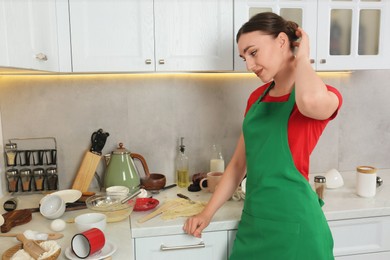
x,y
91,220
52,206
334,179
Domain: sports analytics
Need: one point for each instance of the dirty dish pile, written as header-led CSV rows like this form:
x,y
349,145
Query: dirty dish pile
x,y
111,206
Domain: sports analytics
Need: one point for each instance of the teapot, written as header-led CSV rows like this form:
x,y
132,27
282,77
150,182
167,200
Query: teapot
x,y
121,170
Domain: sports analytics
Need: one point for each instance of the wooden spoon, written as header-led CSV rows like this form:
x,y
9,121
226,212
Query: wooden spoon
x,y
30,246
51,236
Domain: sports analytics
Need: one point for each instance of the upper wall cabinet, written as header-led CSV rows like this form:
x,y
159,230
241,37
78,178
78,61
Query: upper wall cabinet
x,y
35,35
147,35
344,34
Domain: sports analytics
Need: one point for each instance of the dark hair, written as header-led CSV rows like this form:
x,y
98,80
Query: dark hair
x,y
271,24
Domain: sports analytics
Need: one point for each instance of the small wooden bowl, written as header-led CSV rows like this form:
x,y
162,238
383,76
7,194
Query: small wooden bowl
x,y
155,181
12,250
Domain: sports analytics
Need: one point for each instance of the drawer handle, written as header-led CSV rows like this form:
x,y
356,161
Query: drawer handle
x,y
167,248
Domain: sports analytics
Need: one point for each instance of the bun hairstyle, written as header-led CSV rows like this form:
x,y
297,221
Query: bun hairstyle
x,y
270,24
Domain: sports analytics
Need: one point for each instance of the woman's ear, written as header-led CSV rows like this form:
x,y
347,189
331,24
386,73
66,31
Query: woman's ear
x,y
282,40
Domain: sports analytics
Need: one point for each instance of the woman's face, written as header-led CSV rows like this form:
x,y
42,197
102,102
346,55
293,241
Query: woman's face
x,y
262,54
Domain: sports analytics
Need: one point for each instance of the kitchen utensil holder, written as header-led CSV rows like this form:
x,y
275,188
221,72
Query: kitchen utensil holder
x,y
31,165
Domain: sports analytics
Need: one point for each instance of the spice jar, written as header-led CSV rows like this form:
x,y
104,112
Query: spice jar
x,y
25,177
13,180
51,178
10,151
319,185
366,181
39,178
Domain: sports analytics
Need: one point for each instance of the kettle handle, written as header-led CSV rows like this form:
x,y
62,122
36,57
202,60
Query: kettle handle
x,y
143,162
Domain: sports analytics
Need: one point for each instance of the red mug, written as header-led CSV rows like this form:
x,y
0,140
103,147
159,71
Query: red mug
x,y
88,242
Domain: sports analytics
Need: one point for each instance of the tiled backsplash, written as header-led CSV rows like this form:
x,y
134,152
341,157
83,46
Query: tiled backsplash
x,y
149,113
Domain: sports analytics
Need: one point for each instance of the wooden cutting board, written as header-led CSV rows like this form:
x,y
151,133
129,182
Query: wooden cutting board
x,y
15,218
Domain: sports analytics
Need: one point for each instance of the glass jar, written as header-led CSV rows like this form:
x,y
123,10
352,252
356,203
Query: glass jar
x,y
25,178
51,178
217,163
319,185
12,180
10,151
39,178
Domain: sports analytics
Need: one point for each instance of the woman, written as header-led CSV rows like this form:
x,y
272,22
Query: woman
x,y
282,216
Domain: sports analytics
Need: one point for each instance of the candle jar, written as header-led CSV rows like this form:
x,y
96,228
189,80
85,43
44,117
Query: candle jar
x,y
366,181
51,178
39,178
10,152
12,180
25,177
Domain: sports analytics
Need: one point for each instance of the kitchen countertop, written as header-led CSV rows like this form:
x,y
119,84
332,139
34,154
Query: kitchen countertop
x,y
117,233
341,203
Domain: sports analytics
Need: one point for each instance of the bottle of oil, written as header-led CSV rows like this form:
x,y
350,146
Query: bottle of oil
x,y
182,177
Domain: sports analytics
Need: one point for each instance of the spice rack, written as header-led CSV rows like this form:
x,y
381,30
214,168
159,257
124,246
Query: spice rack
x,y
31,165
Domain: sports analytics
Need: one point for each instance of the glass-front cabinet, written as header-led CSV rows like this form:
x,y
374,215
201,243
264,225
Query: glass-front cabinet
x,y
344,34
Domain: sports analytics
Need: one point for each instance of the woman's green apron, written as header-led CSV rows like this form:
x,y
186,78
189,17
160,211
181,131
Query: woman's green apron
x,y
282,216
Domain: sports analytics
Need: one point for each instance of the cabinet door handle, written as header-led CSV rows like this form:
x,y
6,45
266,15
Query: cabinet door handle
x,y
41,56
167,248
322,61
148,61
312,61
162,61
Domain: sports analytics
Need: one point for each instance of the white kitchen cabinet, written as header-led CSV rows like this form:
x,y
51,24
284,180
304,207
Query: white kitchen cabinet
x,y
163,35
355,239
212,245
35,35
344,35
368,237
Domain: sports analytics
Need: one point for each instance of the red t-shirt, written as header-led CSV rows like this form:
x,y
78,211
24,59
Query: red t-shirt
x,y
303,132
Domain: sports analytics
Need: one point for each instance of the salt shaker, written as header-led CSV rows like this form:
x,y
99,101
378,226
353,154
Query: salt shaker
x,y
319,185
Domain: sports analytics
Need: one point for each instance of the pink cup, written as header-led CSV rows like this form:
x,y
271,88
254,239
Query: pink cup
x,y
88,242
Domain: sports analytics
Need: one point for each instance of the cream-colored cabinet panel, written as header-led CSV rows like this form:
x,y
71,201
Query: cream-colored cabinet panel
x,y
112,35
212,245
353,35
194,35
35,35
344,35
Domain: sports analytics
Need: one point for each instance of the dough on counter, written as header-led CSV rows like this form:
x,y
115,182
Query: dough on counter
x,y
184,209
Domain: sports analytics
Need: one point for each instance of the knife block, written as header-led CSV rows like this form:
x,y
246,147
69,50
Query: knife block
x,y
86,171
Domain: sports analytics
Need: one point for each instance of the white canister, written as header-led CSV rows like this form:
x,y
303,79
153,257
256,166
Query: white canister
x,y
366,181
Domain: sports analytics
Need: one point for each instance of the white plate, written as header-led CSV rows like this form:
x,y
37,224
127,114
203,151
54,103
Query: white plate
x,y
68,196
108,249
